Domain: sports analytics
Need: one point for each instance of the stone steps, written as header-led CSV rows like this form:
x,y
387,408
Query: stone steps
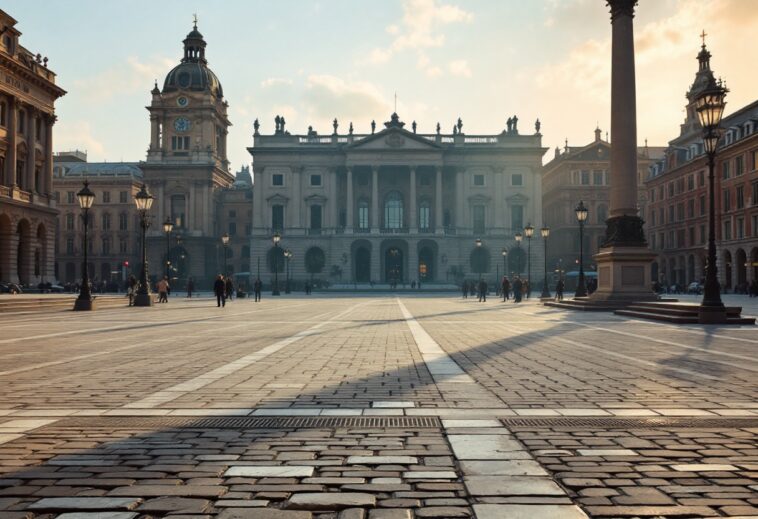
x,y
679,313
14,304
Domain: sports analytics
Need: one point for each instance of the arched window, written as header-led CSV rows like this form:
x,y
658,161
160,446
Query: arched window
x,y
393,211
424,215
178,210
362,214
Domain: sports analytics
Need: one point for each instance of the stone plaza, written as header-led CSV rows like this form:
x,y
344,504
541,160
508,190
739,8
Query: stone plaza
x,y
374,406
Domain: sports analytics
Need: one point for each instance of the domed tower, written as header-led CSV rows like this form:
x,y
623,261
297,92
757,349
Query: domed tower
x,y
187,163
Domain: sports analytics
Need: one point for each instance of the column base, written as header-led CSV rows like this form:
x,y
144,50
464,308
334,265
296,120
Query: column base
x,y
84,305
624,275
712,315
143,300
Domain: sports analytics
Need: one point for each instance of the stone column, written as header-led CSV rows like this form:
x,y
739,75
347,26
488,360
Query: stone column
x,y
31,138
438,218
192,222
333,184
154,133
460,219
349,223
498,175
10,157
375,199
163,209
537,199
258,210
293,210
413,220
48,171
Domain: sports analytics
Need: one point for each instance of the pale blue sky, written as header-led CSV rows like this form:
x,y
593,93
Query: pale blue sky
x,y
312,61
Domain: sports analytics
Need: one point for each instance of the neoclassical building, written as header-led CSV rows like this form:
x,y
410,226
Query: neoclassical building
x,y
395,205
27,207
187,167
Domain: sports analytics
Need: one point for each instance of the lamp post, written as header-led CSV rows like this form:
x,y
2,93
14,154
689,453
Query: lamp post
x,y
518,238
144,201
529,232
545,232
710,107
86,198
478,243
225,242
167,228
276,238
581,217
287,257
504,253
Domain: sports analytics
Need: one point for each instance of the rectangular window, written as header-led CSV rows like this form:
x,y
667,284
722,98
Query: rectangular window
x,y
70,197
652,242
755,160
70,246
106,246
739,197
479,219
740,228
69,222
479,180
232,228
701,178
178,210
277,179
315,180
180,143
661,221
122,246
652,217
702,234
702,205
692,236
277,217
424,217
585,177
123,222
671,213
517,179
691,182
597,177
680,211
671,189
106,197
680,238
316,217
363,215
727,201
517,217
754,220
739,166
725,169
248,229
727,229
122,197
691,208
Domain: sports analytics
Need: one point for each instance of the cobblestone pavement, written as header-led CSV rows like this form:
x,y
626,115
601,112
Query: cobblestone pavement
x,y
374,408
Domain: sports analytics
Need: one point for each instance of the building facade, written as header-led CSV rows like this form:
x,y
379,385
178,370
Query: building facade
x,y
187,167
27,206
581,173
678,192
114,231
395,206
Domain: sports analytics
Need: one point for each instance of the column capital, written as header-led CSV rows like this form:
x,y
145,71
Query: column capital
x,y
621,8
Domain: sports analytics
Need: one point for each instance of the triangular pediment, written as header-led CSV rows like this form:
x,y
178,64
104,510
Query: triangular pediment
x,y
278,197
396,139
600,150
518,198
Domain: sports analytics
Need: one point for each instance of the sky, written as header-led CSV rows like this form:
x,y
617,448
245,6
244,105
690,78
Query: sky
x,y
312,61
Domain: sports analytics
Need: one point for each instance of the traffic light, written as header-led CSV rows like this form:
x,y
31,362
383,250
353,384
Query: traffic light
x,y
126,263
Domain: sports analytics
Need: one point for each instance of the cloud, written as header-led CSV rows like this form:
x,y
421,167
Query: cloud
x,y
126,78
275,82
419,29
77,135
328,96
459,68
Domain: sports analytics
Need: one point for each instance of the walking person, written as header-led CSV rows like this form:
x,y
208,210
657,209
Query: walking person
x,y
257,287
482,291
464,289
229,286
518,288
163,286
219,288
190,287
506,288
559,286
131,289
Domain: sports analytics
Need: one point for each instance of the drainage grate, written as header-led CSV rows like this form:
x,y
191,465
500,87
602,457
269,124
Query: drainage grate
x,y
261,422
632,423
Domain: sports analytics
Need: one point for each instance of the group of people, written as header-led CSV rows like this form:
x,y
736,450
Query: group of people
x,y
518,289
223,289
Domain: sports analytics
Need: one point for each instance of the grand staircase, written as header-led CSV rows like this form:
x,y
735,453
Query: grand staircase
x,y
680,313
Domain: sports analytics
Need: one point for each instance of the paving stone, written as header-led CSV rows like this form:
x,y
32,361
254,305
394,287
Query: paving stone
x,y
168,490
422,474
443,512
502,468
330,501
241,503
280,471
382,460
452,423
483,447
704,467
175,504
651,511
85,503
390,513
512,486
261,513
352,513
607,452
97,515
515,511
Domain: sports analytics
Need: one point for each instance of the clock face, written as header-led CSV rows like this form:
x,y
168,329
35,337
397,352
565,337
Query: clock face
x,y
182,124
182,101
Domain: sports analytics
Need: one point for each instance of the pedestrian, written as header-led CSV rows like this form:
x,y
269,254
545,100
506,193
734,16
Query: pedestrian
x,y
505,286
229,287
190,287
559,286
518,288
219,288
131,289
257,286
163,290
464,289
482,291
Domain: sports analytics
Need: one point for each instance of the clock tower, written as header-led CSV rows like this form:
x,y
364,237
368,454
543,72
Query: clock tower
x,y
187,166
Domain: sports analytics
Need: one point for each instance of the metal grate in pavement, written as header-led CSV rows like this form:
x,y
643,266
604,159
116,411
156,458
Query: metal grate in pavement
x,y
631,423
262,422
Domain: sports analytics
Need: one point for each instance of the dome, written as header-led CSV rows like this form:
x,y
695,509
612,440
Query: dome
x,y
193,72
195,76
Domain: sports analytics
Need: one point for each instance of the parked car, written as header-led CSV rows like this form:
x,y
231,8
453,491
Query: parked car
x,y
10,288
695,288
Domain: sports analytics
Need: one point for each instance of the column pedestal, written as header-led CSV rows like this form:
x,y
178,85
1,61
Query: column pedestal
x,y
623,276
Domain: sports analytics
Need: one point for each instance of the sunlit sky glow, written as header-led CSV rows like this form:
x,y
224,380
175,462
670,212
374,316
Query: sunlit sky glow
x,y
312,61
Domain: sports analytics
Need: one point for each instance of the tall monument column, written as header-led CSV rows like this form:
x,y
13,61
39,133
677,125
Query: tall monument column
x,y
623,262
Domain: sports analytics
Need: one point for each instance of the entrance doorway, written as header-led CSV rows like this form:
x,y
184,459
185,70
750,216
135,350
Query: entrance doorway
x,y
393,265
362,265
426,264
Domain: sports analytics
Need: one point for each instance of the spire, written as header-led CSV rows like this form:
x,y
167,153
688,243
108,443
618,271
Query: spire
x,y
598,132
704,76
194,45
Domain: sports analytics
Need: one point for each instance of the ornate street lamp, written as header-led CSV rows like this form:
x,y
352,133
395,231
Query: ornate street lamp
x,y
168,226
276,238
86,198
710,108
225,242
581,216
545,232
287,256
144,201
504,253
518,239
529,232
478,243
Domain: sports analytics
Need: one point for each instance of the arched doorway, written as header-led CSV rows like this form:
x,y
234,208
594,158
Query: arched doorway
x,y
23,253
40,254
315,259
740,260
362,265
393,265
5,247
479,260
179,267
426,264
727,269
516,261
